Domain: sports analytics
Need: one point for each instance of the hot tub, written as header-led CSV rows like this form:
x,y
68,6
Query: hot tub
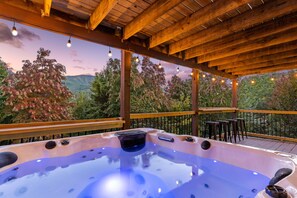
x,y
144,162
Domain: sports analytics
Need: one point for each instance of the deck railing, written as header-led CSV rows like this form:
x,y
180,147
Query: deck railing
x,y
31,132
174,122
263,123
272,123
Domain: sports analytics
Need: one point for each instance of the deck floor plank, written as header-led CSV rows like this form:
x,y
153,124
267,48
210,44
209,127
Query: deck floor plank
x,y
289,147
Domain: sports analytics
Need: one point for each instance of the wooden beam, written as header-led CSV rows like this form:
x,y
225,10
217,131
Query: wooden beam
x,y
195,102
234,103
283,37
272,68
150,14
55,25
100,13
267,11
125,87
204,15
47,8
272,27
263,64
254,54
260,59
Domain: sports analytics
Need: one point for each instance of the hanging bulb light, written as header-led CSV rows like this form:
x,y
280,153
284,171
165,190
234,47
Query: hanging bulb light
x,y
69,42
109,53
213,79
253,82
222,81
192,73
203,75
177,69
14,31
160,66
137,59
272,79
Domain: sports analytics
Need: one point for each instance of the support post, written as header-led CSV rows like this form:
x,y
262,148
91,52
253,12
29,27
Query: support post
x,y
195,91
234,96
125,87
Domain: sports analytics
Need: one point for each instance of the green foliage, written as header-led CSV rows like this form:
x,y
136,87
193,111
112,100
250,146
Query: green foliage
x,y
3,75
37,93
255,95
214,93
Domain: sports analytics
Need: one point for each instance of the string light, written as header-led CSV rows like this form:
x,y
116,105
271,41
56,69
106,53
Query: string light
x,y
14,31
272,79
203,75
177,69
109,53
231,83
213,79
237,83
69,42
160,66
253,82
137,59
192,73
222,81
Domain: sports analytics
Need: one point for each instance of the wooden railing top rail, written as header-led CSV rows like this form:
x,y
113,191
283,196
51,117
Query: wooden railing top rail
x,y
57,128
207,110
18,125
268,111
157,115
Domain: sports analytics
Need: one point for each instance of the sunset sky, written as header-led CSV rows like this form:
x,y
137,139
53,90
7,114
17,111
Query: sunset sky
x,y
82,58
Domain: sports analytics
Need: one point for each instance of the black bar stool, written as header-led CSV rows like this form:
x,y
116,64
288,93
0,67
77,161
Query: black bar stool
x,y
213,128
233,123
224,128
241,127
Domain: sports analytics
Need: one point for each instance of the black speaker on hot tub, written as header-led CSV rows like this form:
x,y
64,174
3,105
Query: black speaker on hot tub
x,y
132,141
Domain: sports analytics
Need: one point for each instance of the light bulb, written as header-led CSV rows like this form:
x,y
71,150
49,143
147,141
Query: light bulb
x,y
177,69
159,66
253,82
213,79
192,73
203,75
69,43
222,81
137,59
272,79
14,31
109,53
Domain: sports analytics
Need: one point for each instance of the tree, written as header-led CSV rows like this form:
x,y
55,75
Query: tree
x,y
36,93
179,93
3,75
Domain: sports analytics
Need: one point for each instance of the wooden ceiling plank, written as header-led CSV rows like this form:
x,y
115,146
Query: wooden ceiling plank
x,y
150,14
52,24
272,27
47,8
262,13
283,37
205,14
272,68
263,64
100,13
259,59
254,54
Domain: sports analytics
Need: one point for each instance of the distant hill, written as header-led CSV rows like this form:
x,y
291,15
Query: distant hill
x,y
79,83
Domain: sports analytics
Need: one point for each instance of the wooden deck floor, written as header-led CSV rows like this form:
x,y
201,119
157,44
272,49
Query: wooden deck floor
x,y
288,147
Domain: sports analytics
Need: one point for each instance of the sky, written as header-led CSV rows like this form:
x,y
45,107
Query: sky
x,y
81,58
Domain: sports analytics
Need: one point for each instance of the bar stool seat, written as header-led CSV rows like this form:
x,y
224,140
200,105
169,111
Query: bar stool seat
x,y
213,128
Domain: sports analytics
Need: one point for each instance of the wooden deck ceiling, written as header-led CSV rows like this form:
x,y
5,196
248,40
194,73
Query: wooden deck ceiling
x,y
229,38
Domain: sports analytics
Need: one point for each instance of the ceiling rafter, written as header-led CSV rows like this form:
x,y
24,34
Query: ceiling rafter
x,y
203,15
47,8
267,11
100,13
150,14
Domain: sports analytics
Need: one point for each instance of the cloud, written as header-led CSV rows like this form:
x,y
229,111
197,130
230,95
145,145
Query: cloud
x,y
79,67
73,53
6,36
77,61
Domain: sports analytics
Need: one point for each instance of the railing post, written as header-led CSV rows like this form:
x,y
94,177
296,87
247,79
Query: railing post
x,y
234,96
125,87
195,91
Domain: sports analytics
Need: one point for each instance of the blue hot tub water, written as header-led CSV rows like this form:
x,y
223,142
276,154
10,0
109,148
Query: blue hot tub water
x,y
153,172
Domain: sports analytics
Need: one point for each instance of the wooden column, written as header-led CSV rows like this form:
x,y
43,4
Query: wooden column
x,y
125,87
234,97
195,91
